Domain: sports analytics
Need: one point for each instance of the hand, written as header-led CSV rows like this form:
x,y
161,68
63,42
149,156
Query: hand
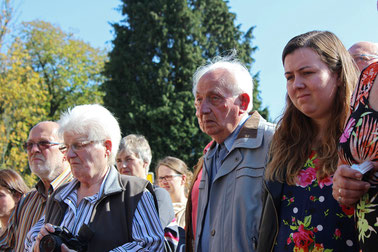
x,y
64,248
45,230
347,186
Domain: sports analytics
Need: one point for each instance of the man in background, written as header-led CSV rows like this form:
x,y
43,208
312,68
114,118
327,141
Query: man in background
x,y
364,53
48,163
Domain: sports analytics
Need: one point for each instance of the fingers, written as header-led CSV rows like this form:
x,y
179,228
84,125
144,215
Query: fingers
x,y
347,185
64,248
45,230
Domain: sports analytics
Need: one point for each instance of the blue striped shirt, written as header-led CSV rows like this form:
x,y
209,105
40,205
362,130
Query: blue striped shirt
x,y
147,232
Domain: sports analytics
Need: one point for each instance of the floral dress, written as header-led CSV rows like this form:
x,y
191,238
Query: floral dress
x,y
359,143
310,218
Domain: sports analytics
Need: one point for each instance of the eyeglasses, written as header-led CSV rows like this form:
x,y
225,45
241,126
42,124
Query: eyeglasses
x,y
42,145
168,177
364,57
77,146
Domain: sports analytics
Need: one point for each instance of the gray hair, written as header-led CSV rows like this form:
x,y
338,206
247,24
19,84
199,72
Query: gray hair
x,y
243,80
96,122
137,145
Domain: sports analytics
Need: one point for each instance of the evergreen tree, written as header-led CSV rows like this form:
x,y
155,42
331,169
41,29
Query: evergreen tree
x,y
157,48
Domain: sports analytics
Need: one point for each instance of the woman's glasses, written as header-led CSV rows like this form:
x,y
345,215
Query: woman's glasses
x,y
168,177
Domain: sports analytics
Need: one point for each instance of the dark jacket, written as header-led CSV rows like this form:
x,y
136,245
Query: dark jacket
x,y
269,224
109,225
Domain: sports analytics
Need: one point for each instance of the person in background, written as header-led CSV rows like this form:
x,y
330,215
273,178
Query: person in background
x,y
359,146
134,159
229,195
106,210
364,53
12,188
299,212
49,164
173,175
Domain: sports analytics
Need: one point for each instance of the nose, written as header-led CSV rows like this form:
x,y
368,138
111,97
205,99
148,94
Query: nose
x,y
35,148
70,153
298,83
203,108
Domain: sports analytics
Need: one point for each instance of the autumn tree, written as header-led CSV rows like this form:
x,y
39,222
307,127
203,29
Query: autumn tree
x,y
44,72
70,68
157,48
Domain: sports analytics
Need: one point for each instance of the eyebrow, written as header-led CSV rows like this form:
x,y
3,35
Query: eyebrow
x,y
300,69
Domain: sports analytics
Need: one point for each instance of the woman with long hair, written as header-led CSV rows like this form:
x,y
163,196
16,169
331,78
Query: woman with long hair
x,y
299,211
173,175
12,187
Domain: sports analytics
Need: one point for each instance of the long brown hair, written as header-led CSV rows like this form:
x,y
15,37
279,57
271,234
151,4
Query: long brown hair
x,y
13,182
293,140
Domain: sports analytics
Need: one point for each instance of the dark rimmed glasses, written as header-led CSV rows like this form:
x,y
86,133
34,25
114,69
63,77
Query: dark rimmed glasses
x,y
42,145
168,177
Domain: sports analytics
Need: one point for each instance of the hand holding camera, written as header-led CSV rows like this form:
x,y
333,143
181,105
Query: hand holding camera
x,y
53,241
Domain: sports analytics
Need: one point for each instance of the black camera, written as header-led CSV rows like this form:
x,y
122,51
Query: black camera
x,y
53,241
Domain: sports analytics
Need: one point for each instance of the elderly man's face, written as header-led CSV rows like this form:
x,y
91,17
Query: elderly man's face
x,y
218,111
363,54
88,159
45,160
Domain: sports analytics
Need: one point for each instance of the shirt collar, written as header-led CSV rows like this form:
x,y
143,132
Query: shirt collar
x,y
61,179
231,138
75,184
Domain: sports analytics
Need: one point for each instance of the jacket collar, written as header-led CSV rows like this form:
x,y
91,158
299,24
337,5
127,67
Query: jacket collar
x,y
111,185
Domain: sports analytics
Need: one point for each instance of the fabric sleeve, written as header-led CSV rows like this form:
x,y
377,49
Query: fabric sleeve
x,y
32,234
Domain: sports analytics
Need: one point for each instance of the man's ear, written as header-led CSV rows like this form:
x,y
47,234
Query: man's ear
x,y
244,102
108,147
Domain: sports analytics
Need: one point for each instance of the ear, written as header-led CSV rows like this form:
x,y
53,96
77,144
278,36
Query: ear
x,y
17,196
244,102
183,179
108,147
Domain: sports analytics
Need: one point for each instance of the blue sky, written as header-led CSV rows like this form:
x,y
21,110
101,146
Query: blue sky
x,y
276,23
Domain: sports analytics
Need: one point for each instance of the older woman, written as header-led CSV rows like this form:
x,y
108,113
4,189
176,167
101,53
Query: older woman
x,y
108,211
12,187
173,175
299,211
134,159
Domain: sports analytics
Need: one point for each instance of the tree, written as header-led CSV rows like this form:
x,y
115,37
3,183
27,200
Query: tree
x,y
70,68
44,72
19,107
6,14
157,48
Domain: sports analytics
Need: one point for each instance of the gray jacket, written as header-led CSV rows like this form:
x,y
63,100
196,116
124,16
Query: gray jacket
x,y
235,195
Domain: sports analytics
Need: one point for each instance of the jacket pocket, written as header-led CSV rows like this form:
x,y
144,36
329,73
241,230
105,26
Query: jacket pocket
x,y
250,171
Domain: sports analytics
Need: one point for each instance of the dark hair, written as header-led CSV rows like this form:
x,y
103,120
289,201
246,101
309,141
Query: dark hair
x,y
12,181
295,134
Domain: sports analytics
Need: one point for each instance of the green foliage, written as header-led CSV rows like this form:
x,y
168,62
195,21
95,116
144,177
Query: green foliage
x,y
44,71
70,68
157,48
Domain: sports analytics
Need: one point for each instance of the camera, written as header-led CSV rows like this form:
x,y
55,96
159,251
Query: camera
x,y
53,241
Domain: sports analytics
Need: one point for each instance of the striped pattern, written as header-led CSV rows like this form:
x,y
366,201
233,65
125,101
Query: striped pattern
x,y
29,211
147,232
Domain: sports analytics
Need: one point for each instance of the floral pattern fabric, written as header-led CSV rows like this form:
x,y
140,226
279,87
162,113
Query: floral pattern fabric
x,y
310,219
358,143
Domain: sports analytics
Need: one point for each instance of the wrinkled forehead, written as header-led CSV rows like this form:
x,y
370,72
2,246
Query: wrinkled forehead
x,y
219,80
127,153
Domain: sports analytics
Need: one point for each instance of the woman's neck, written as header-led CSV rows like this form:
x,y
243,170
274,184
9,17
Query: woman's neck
x,y
4,223
178,197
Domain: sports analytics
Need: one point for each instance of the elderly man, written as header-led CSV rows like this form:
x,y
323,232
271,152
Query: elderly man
x,y
364,53
48,163
229,204
107,211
